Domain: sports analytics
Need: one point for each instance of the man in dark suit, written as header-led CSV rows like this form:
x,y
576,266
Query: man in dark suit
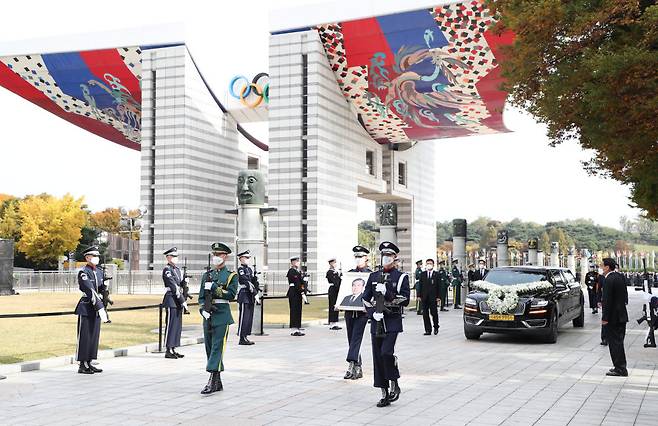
x,y
481,271
355,298
429,292
615,317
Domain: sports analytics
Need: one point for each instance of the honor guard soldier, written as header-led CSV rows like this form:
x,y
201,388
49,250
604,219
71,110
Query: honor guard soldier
x,y
390,287
457,279
444,283
249,288
90,310
417,274
355,321
592,283
334,280
218,287
174,302
296,288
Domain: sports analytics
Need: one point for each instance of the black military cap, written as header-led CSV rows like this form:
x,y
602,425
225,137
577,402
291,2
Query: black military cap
x,y
292,259
220,248
471,264
91,250
360,251
429,260
442,262
387,247
171,252
455,260
245,253
418,262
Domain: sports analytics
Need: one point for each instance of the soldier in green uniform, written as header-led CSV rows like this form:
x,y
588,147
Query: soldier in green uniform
x,y
417,274
457,279
444,282
218,287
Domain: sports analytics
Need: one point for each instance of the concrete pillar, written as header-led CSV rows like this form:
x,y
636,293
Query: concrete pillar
x,y
571,259
584,266
459,248
387,214
502,253
555,254
533,243
6,267
540,258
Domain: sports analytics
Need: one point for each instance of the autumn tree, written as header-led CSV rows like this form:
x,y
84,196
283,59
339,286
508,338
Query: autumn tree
x,y
10,220
106,220
50,227
587,69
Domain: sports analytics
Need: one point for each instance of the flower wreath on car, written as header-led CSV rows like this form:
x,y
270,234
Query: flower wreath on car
x,y
503,299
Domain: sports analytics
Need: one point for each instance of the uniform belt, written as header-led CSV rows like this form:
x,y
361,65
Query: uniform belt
x,y
220,301
291,285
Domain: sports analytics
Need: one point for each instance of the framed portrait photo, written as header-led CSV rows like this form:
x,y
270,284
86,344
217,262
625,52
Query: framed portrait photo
x,y
350,296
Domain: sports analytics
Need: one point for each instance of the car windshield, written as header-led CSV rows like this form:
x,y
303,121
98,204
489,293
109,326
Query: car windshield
x,y
511,276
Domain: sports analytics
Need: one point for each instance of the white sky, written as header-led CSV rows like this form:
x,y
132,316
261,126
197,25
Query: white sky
x,y
501,176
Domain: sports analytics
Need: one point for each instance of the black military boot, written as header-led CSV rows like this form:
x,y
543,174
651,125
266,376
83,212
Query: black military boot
x,y
173,351
94,369
209,386
83,369
385,399
170,354
358,372
243,341
218,383
394,395
349,374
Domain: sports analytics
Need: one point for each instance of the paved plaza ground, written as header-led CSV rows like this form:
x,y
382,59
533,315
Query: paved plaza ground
x,y
286,380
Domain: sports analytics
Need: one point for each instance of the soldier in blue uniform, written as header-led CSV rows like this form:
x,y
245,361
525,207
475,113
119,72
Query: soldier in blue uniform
x,y
91,311
296,293
444,282
393,285
355,321
334,279
218,287
457,279
249,288
174,302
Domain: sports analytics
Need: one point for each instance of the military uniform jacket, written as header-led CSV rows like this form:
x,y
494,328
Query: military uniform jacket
x,y
443,278
248,289
333,278
398,284
224,287
417,274
456,276
90,282
592,280
172,278
368,270
295,278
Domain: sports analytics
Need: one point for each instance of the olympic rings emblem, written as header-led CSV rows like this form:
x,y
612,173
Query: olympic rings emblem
x,y
251,94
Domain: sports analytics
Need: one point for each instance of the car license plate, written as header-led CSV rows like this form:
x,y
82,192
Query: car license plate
x,y
495,317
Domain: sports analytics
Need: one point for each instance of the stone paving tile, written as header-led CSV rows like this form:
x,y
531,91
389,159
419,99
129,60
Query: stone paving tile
x,y
446,380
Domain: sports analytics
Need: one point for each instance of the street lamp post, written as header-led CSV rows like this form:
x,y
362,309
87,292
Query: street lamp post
x,y
128,225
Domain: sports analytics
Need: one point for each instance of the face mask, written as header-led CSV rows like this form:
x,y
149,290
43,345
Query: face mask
x,y
430,267
360,262
216,260
94,260
174,260
387,260
481,266
245,261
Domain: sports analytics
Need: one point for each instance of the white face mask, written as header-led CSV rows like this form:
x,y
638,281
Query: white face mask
x,y
360,262
387,260
245,261
95,260
217,260
429,266
481,266
173,260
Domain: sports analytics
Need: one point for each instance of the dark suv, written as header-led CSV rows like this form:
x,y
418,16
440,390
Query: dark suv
x,y
539,311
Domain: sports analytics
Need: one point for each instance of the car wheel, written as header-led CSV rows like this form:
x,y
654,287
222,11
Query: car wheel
x,y
471,334
579,321
551,333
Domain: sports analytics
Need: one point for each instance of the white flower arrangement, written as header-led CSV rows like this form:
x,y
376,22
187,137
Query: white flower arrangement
x,y
503,299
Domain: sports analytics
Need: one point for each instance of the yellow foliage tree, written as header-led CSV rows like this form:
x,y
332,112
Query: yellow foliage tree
x,y
50,226
10,221
106,220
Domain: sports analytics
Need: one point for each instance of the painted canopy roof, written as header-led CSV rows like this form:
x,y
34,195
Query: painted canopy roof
x,y
425,74
97,90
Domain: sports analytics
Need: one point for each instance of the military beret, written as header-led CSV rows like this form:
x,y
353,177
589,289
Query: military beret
x,y
245,253
171,252
91,250
220,248
387,247
360,251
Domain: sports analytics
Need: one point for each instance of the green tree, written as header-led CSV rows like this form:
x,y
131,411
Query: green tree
x,y
545,242
587,69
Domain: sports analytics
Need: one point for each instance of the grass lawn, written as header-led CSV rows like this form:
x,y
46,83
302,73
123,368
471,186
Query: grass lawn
x,y
25,339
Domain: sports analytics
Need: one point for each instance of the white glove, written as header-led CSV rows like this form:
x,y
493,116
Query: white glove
x,y
305,279
378,316
185,306
305,299
186,280
251,288
205,314
380,288
208,285
103,314
257,299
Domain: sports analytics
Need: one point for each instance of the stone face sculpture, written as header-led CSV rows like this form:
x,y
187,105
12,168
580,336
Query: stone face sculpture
x,y
502,236
459,228
388,214
533,243
251,187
